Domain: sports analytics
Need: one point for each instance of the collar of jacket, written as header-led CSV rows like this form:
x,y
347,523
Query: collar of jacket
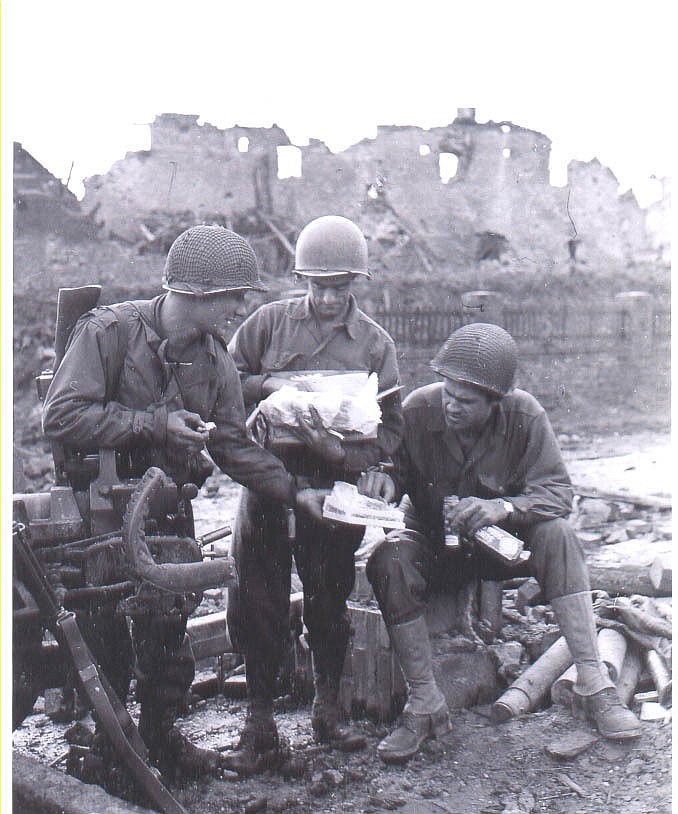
x,y
149,314
301,309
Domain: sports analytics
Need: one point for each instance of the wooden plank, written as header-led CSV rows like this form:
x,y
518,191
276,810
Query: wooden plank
x,y
372,619
359,657
384,676
622,579
647,501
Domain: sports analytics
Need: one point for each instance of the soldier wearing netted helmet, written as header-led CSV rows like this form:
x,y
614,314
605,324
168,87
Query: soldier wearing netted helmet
x,y
144,378
322,331
474,436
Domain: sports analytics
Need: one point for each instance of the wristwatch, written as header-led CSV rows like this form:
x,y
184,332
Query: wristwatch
x,y
509,508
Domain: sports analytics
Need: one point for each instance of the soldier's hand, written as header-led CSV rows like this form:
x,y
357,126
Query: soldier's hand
x,y
314,435
473,513
311,501
377,484
186,431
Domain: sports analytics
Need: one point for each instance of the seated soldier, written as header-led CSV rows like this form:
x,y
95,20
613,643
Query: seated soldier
x,y
473,436
144,378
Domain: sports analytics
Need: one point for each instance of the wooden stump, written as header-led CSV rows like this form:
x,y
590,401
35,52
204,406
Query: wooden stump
x,y
460,624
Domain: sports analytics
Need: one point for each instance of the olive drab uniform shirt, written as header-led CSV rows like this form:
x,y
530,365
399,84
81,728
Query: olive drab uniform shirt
x,y
284,336
516,457
116,386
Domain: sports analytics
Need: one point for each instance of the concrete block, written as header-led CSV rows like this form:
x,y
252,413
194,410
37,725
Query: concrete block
x,y
37,789
616,535
661,574
528,594
638,526
467,678
570,746
490,606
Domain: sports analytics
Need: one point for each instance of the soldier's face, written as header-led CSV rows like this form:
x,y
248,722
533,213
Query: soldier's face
x,y
466,407
329,295
214,312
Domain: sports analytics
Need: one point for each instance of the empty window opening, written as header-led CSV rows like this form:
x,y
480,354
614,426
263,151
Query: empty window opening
x,y
505,128
491,246
424,149
448,164
372,192
506,152
243,144
289,162
572,246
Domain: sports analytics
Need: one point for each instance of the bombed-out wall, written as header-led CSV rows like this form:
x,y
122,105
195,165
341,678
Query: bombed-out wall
x,y
447,197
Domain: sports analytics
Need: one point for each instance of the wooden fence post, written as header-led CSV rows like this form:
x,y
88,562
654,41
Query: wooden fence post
x,y
635,326
481,306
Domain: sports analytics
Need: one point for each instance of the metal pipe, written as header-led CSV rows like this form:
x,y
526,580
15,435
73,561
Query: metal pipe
x,y
173,577
628,677
528,690
660,676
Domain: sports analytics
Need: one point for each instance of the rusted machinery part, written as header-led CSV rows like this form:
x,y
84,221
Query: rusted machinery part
x,y
174,577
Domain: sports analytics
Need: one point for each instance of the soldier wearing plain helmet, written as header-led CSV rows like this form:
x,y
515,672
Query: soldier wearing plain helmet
x,y
145,378
473,435
324,330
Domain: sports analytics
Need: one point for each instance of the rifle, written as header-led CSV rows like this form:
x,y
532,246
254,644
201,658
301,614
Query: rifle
x,y
115,719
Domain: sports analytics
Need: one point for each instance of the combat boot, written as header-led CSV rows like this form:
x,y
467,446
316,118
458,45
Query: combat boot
x,y
596,698
605,709
425,714
326,718
169,749
258,747
412,730
180,759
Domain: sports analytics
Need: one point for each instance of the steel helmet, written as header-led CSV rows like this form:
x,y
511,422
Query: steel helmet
x,y
331,245
482,354
209,260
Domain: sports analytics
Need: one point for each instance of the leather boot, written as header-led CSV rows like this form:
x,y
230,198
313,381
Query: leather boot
x,y
186,761
259,745
170,750
326,718
425,714
596,698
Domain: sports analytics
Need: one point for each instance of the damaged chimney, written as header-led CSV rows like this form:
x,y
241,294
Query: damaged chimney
x,y
466,114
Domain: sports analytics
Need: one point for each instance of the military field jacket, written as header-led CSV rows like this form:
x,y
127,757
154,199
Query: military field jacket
x,y
115,387
284,336
516,458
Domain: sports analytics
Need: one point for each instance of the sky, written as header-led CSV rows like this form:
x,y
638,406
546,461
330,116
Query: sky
x,y
82,80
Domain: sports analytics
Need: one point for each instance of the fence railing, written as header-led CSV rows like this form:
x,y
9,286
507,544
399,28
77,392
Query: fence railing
x,y
564,327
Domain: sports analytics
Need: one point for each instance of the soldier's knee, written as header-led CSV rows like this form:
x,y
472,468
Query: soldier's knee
x,y
385,559
557,535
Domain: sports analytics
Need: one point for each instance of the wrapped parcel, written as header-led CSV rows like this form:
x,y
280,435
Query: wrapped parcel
x,y
346,402
346,505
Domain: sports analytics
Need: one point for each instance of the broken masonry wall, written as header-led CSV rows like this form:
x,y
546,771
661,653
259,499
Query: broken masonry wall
x,y
391,185
400,170
609,228
660,224
189,167
43,205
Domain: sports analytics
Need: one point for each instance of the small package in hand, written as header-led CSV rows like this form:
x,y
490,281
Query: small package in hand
x,y
346,505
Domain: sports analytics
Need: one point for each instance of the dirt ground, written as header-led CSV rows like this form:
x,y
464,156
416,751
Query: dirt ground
x,y
479,766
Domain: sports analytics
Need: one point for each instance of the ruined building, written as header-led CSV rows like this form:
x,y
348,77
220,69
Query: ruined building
x,y
447,198
42,203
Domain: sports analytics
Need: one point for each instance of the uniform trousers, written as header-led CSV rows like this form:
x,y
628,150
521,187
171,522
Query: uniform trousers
x,y
258,610
406,567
